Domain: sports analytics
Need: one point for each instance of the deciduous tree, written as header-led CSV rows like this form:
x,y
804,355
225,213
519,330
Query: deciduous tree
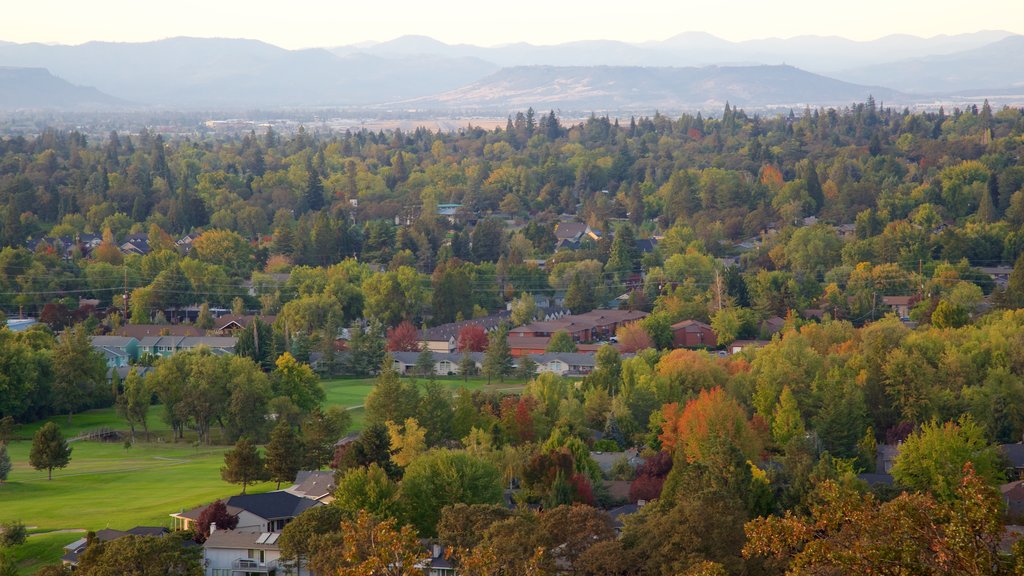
x,y
49,449
243,464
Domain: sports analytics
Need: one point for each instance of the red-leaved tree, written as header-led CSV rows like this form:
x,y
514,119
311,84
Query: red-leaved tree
x,y
404,338
472,338
216,513
633,337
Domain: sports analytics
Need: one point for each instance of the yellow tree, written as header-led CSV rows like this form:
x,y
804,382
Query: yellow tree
x,y
407,441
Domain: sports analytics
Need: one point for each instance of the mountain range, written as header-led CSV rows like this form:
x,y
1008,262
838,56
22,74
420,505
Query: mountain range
x,y
688,71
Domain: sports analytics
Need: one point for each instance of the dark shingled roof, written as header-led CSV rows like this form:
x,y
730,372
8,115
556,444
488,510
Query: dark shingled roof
x,y
1014,454
272,505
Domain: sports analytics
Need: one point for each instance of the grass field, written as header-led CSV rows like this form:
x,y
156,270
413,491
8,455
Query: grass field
x,y
107,486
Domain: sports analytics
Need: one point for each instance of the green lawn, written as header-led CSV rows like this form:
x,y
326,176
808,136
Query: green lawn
x,y
106,486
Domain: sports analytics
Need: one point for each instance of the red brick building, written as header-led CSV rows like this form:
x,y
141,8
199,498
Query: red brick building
x,y
693,334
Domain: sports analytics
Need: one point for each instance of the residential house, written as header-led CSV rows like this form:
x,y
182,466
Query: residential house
x,y
119,351
445,363
123,372
169,345
565,363
185,242
1013,455
437,564
772,326
901,305
231,323
245,553
20,324
267,512
606,460
1000,275
140,331
136,244
693,334
74,550
445,337
527,345
738,346
885,457
315,484
1013,498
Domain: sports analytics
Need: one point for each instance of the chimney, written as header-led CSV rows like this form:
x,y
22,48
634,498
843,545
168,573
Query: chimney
x,y
213,527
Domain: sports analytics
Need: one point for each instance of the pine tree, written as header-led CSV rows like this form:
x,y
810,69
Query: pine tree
x,y
579,296
49,449
284,454
314,194
498,357
786,422
243,464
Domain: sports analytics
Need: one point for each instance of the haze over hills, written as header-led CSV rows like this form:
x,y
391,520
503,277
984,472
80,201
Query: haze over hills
x,y
37,88
690,70
626,88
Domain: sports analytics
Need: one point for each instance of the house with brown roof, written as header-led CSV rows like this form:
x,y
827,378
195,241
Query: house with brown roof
x,y
230,323
140,331
901,305
245,553
693,334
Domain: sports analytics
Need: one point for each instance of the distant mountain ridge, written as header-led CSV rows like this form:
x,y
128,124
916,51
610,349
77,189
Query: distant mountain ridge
x,y
690,70
626,88
36,88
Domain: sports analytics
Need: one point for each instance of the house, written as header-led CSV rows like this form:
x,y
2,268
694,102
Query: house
x,y
185,242
772,326
232,323
445,337
885,457
267,512
135,244
119,351
646,245
445,364
738,346
1013,498
1000,275
437,564
565,363
140,331
168,345
123,372
244,553
20,324
594,325
693,334
606,460
315,484
901,305
74,550
1013,454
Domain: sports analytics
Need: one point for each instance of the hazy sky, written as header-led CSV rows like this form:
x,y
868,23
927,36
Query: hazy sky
x,y
307,23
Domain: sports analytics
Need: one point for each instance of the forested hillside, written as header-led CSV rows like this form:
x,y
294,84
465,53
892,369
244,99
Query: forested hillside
x,y
875,253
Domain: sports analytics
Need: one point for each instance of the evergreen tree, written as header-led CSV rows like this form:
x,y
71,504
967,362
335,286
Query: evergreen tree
x,y
561,342
314,194
49,449
624,258
243,464
425,363
579,296
284,454
467,366
257,343
498,357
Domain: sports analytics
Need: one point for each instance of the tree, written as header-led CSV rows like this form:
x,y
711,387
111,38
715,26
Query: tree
x,y
391,399
787,423
472,338
485,241
141,556
711,417
467,366
257,342
5,463
377,547
215,513
524,309
303,537
313,196
368,489
633,338
623,258
948,315
933,458
298,382
133,404
561,341
12,534
403,338
462,526
49,449
424,363
243,464
442,477
78,371
408,441
320,431
284,454
498,357
579,296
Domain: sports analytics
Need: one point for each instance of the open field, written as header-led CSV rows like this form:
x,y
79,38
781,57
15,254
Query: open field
x,y
107,486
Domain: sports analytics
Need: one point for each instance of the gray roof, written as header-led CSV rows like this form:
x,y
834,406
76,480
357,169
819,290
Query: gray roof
x,y
1014,454
112,341
444,332
455,357
242,540
570,358
314,484
272,505
223,342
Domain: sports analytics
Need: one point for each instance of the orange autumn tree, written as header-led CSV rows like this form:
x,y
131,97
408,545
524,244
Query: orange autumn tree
x,y
712,415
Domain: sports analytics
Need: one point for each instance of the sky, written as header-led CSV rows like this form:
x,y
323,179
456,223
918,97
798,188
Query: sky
x,y
327,23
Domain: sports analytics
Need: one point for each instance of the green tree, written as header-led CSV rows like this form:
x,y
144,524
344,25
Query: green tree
x,y
284,454
579,296
442,477
12,533
5,463
947,315
49,449
257,343
623,258
320,431
485,241
78,371
498,357
368,489
524,309
391,399
133,403
297,382
243,464
141,556
561,342
787,423
304,535
933,458
313,196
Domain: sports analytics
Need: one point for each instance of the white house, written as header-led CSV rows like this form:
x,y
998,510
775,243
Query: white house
x,y
268,512
245,553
